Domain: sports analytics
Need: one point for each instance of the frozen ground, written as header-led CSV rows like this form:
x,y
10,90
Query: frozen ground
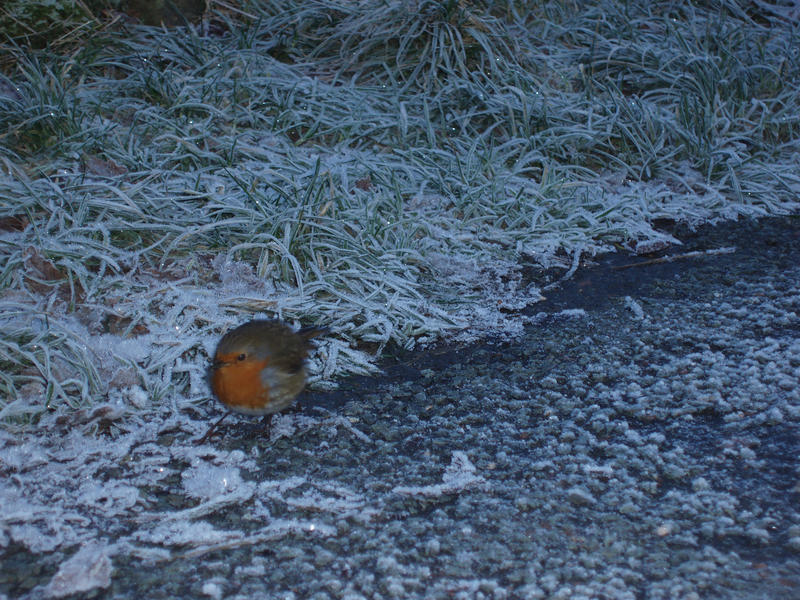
x,y
645,449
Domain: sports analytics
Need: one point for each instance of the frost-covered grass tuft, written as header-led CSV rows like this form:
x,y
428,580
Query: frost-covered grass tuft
x,y
384,169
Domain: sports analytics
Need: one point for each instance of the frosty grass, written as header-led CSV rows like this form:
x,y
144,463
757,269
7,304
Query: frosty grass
x,y
385,169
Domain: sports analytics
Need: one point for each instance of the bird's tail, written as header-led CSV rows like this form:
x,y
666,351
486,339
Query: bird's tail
x,y
312,331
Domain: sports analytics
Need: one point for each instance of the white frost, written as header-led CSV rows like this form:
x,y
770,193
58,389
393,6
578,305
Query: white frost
x,y
89,568
458,476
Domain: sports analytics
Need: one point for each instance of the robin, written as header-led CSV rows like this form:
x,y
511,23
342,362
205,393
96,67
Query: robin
x,y
259,368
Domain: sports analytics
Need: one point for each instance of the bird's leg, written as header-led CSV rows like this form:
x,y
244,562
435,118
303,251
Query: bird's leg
x,y
212,428
266,425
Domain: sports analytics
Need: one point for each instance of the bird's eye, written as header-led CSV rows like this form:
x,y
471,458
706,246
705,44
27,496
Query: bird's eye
x,y
241,356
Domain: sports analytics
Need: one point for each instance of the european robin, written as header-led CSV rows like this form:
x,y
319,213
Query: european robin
x,y
259,368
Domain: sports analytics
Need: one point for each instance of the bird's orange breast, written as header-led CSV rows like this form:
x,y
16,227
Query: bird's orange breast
x,y
239,386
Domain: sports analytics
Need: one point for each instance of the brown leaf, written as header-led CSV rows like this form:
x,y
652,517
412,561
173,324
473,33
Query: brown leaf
x,y
103,168
365,183
13,223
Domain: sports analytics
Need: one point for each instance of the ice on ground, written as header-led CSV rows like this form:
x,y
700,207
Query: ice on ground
x,y
87,569
301,493
459,475
113,497
186,533
207,482
634,307
212,590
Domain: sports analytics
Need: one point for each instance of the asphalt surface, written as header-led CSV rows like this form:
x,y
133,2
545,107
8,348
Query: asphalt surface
x,y
641,440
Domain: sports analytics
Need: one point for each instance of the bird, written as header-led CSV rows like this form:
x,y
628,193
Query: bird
x,y
259,367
